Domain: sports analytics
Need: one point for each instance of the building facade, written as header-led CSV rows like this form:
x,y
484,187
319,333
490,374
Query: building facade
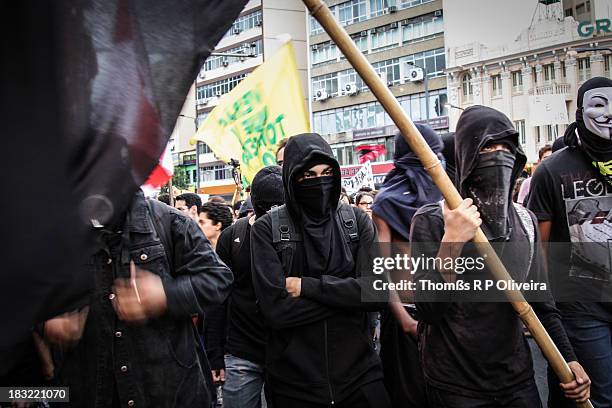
x,y
252,38
563,46
397,37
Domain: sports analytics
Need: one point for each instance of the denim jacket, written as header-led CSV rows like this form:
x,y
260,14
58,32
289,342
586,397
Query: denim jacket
x,y
154,364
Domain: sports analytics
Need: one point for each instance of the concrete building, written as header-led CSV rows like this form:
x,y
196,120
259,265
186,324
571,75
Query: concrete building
x,y
395,36
255,35
534,77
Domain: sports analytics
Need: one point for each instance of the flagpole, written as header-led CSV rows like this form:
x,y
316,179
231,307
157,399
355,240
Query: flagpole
x,y
319,10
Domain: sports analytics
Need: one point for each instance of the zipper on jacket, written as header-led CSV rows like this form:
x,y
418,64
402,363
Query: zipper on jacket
x,y
331,392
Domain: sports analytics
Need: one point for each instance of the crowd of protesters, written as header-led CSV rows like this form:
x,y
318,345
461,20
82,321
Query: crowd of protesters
x,y
260,302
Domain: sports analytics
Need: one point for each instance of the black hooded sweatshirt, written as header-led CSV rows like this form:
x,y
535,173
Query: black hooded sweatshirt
x,y
478,349
318,348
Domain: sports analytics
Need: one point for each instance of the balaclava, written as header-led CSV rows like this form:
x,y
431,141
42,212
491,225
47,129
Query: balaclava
x,y
490,186
592,131
267,189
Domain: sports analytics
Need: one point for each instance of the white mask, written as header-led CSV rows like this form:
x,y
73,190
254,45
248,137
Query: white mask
x,y
597,111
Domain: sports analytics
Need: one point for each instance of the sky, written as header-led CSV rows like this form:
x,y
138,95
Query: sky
x,y
491,22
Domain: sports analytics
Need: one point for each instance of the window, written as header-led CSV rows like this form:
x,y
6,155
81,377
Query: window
x,y
203,148
245,23
519,125
369,115
466,87
361,41
422,28
606,59
201,118
218,172
552,132
351,12
549,72
384,38
580,9
497,85
328,82
569,12
584,69
315,27
323,52
538,137
218,88
433,61
380,7
517,81
218,61
563,70
534,74
411,3
391,68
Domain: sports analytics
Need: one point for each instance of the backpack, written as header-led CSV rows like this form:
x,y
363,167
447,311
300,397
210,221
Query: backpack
x,y
527,222
239,233
286,237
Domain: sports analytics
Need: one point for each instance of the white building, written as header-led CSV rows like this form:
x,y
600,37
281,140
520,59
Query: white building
x,y
544,58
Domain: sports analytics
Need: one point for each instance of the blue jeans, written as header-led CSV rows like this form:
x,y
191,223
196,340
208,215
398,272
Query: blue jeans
x,y
244,381
592,342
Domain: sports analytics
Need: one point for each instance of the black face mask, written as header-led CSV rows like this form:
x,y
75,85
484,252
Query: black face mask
x,y
489,187
314,195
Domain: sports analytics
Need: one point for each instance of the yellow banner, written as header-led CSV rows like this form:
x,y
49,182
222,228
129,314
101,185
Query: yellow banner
x,y
264,108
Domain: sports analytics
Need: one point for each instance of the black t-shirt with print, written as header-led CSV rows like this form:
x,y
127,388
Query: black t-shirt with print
x,y
567,190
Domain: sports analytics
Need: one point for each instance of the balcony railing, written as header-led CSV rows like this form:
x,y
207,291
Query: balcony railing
x,y
552,88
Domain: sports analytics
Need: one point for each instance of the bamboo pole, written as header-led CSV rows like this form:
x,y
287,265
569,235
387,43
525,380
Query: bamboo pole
x,y
322,14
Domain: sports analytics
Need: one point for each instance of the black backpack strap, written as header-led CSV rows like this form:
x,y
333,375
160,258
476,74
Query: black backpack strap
x,y
284,236
349,223
239,232
160,215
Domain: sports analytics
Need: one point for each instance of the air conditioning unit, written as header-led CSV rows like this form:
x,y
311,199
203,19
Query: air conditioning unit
x,y
438,13
415,74
225,63
259,23
315,47
393,25
202,74
350,89
373,30
218,94
391,9
363,33
321,95
236,30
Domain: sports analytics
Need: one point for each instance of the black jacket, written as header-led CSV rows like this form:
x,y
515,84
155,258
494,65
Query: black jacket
x,y
318,346
155,364
471,347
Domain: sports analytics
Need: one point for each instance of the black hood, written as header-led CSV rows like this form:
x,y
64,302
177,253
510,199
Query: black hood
x,y
267,189
448,140
302,152
478,126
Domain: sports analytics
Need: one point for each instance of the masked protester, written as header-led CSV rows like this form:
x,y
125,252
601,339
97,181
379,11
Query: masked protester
x,y
305,265
137,345
237,348
572,198
475,354
406,188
